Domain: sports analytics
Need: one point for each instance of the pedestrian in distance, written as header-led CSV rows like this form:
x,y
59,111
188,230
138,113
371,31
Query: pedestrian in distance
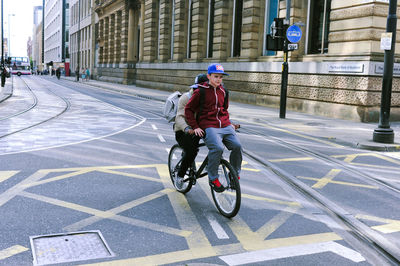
x,y
77,73
83,74
58,73
184,134
213,124
87,74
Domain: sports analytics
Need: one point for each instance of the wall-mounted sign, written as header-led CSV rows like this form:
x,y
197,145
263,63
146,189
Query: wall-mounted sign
x,y
346,67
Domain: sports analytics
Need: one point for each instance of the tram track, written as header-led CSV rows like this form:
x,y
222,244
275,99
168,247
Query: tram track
x,y
31,107
372,240
375,245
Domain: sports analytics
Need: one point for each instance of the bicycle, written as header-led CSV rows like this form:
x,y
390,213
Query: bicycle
x,y
228,201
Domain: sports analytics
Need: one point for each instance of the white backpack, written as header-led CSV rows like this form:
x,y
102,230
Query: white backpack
x,y
171,106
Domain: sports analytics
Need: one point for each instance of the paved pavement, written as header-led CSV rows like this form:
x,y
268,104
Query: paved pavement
x,y
350,133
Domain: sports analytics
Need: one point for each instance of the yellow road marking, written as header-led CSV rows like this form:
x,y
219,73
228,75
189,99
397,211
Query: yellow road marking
x,y
129,205
391,225
107,214
292,159
199,253
341,183
185,216
281,202
11,251
61,177
299,135
129,175
275,222
327,178
4,175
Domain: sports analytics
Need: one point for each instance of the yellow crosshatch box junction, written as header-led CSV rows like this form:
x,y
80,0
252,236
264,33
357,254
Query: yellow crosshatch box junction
x,y
245,238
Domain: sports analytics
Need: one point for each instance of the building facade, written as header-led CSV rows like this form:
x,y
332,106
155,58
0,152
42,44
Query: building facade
x,y
336,71
81,34
36,40
117,37
56,32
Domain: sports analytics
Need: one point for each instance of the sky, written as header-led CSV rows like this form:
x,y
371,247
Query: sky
x,y
21,25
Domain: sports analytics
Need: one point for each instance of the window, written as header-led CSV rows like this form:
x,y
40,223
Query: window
x,y
172,28
210,30
189,34
271,12
237,27
318,26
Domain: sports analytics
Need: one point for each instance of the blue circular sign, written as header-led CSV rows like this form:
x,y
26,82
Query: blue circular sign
x,y
293,34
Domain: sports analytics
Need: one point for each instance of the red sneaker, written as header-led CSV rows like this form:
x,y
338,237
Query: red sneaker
x,y
216,186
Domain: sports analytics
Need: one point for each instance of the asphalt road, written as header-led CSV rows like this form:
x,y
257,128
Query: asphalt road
x,y
84,180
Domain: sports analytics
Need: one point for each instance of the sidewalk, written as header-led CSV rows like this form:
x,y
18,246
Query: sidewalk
x,y
344,132
6,91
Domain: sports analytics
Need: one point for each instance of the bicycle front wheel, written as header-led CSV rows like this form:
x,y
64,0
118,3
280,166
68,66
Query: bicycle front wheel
x,y
228,201
174,162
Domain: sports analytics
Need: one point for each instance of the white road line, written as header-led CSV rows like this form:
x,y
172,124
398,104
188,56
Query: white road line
x,y
292,251
167,149
161,138
154,126
218,230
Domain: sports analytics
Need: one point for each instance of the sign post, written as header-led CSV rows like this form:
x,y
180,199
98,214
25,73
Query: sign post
x,y
384,134
291,37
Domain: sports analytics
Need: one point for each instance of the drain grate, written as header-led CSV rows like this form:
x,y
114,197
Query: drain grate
x,y
68,247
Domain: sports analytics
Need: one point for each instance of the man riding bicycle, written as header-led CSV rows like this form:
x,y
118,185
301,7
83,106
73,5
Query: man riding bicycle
x,y
214,125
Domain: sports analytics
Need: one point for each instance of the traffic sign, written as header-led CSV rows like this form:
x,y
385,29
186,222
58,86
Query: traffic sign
x,y
293,46
293,34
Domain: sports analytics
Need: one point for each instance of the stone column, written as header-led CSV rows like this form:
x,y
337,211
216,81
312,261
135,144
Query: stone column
x,y
133,22
250,29
101,42
165,31
199,29
142,14
150,31
111,41
221,30
117,51
124,38
180,34
106,36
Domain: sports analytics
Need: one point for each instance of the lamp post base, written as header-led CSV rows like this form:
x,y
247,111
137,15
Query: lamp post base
x,y
383,135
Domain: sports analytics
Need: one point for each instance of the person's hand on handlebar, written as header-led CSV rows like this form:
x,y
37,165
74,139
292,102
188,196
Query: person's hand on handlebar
x,y
199,132
235,126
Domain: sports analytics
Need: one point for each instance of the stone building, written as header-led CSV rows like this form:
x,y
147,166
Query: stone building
x,y
336,72
81,35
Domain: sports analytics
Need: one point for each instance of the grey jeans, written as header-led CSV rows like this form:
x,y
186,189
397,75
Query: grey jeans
x,y
215,140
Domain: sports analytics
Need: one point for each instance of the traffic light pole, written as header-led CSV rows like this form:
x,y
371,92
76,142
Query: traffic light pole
x,y
384,134
284,81
285,65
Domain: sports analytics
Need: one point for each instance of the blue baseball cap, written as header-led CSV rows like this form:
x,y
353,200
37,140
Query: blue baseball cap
x,y
216,68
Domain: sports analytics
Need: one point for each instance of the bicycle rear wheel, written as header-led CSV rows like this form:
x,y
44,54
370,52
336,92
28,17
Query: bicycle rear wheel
x,y
228,201
174,162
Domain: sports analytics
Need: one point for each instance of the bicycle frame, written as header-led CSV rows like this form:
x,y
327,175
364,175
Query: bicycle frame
x,y
194,175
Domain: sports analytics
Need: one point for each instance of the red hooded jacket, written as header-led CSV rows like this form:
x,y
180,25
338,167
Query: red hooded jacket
x,y
214,113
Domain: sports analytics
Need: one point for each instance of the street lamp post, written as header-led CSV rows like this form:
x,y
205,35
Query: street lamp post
x,y
9,34
3,74
384,134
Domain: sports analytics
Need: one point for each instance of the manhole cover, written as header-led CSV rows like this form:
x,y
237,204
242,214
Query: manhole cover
x,y
76,246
